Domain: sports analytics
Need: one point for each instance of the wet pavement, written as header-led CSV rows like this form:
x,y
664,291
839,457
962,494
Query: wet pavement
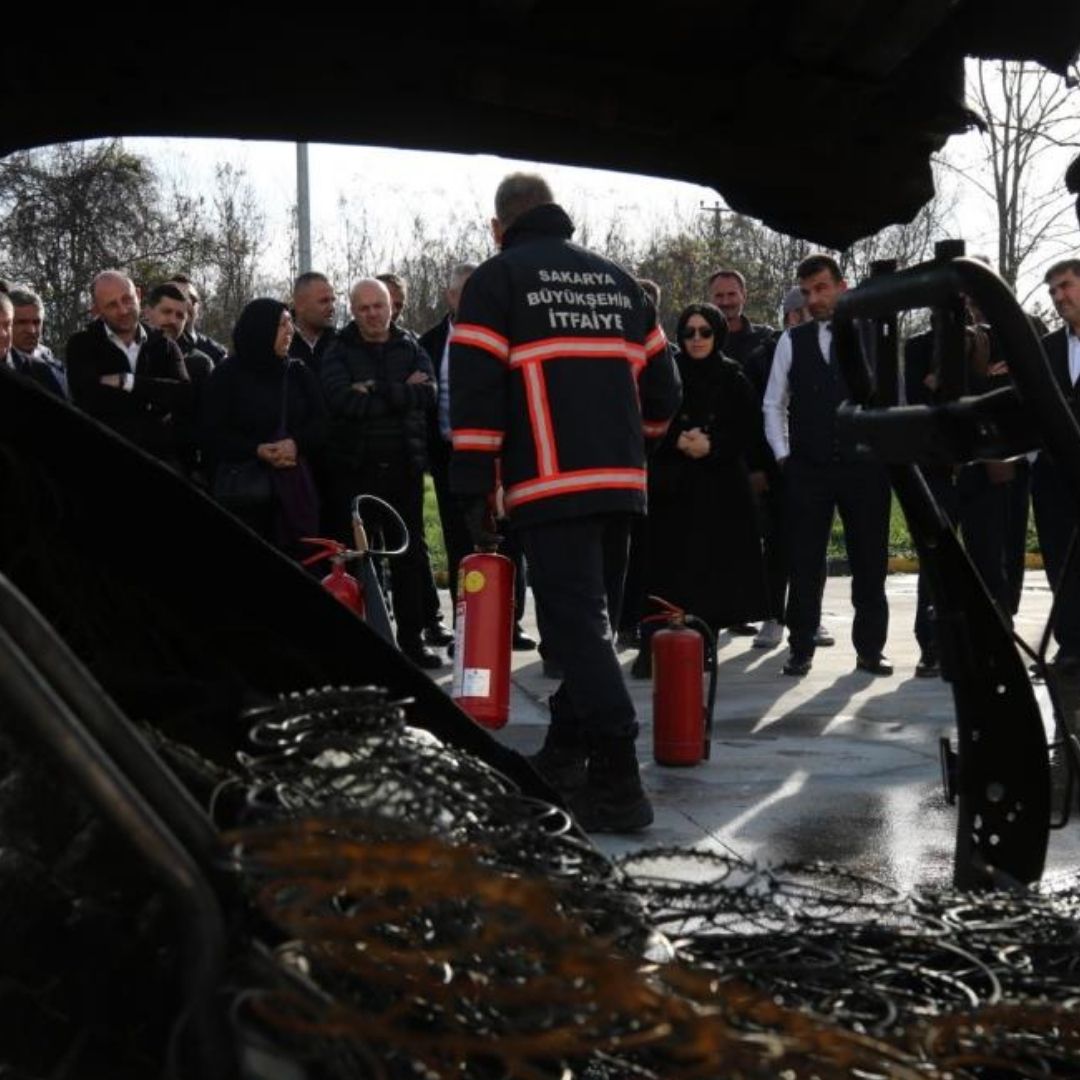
x,y
838,765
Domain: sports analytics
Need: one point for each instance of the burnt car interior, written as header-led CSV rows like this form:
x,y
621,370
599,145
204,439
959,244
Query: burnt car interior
x,y
264,845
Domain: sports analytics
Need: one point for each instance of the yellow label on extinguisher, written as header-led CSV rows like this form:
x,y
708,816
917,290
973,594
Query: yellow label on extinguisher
x,y
474,581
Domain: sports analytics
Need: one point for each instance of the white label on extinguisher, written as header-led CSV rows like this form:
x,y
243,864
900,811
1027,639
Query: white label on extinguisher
x,y
476,682
459,650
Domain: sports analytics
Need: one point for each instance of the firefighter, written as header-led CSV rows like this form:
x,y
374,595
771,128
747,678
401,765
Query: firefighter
x,y
558,374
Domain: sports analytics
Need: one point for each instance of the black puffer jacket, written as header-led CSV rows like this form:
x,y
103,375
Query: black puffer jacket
x,y
389,417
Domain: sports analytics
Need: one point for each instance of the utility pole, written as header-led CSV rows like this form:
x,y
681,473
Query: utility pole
x,y
716,210
303,209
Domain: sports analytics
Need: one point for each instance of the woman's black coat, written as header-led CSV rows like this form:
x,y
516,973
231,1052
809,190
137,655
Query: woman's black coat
x,y
704,546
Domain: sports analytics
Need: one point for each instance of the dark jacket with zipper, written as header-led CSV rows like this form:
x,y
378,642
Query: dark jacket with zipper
x,y
389,417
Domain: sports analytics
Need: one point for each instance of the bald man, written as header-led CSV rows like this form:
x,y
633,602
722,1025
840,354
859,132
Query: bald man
x,y
130,378
380,387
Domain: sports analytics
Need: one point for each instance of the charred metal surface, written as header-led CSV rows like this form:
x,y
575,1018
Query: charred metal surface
x,y
1002,779
878,88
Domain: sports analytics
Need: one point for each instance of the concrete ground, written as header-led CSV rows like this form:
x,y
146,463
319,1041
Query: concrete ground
x,y
839,765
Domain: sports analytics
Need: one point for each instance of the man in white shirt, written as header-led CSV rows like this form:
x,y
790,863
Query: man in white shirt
x,y
805,387
133,381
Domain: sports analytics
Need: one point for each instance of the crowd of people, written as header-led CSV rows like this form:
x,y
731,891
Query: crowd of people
x,y
534,449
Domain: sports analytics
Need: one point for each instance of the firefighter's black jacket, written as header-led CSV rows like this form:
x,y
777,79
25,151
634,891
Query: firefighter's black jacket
x,y
558,374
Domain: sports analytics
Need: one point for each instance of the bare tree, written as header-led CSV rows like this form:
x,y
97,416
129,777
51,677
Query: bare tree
x,y
1031,118
238,228
70,210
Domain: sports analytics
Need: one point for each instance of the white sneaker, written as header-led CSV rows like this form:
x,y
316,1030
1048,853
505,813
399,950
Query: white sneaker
x,y
770,635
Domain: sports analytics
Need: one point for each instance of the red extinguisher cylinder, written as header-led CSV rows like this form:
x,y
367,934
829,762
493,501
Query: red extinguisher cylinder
x,y
482,638
344,587
678,696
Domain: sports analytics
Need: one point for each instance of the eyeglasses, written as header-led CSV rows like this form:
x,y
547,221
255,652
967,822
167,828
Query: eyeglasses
x,y
704,332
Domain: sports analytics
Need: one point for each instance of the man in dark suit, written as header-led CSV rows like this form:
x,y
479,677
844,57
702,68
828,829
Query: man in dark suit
x,y
822,476
1054,503
20,362
26,333
131,379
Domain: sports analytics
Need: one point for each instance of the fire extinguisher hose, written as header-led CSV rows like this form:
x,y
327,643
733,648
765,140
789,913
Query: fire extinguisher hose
x,y
703,628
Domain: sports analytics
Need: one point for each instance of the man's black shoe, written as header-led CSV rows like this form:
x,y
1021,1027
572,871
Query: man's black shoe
x,y
437,634
874,665
563,767
743,629
522,642
928,666
615,806
423,657
797,664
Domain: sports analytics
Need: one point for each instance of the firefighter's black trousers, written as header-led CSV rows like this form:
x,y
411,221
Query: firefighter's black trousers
x,y
577,568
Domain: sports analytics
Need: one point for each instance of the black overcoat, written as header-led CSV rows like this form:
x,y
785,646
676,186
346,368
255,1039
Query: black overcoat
x,y
704,545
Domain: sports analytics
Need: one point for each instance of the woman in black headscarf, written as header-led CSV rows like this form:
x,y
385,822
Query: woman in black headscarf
x,y
704,548
262,418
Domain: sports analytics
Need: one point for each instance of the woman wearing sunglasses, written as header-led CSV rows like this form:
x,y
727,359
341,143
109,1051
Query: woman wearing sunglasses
x,y
704,549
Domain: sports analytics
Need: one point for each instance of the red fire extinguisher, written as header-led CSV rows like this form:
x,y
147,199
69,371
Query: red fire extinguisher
x,y
482,637
339,582
682,721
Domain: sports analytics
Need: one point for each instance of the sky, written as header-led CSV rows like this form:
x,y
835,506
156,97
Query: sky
x,y
393,184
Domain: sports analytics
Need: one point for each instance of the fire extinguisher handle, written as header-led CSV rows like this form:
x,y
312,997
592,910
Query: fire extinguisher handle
x,y
329,549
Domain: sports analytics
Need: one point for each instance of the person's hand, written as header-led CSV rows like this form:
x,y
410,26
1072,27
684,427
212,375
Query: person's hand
x,y
278,455
759,482
418,377
288,454
361,387
930,381
699,445
116,381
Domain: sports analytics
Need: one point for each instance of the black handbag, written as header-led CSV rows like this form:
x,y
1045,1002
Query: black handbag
x,y
243,486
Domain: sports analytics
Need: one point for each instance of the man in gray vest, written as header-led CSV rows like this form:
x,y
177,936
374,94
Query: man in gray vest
x,y
805,387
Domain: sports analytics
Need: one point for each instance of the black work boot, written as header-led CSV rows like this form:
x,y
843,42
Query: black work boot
x,y
613,799
561,761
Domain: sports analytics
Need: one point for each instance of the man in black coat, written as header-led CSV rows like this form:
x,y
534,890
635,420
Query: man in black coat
x,y
26,334
25,365
751,346
1054,503
379,386
313,305
131,379
192,337
436,343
